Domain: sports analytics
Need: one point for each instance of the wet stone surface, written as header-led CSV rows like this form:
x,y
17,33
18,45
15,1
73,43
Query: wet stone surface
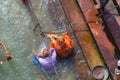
x,y
61,22
58,17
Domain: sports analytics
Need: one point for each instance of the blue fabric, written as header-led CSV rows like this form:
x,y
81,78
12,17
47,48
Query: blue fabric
x,y
36,62
103,2
46,63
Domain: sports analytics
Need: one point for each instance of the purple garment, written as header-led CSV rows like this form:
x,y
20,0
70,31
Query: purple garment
x,y
49,62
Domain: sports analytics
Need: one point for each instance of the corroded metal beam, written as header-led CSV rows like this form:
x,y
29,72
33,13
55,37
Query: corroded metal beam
x,y
82,33
105,46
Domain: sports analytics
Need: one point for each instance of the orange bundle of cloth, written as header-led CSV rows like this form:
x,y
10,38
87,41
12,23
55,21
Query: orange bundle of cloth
x,y
63,44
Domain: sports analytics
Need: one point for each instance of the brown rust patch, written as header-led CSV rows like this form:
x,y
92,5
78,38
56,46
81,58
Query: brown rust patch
x,y
105,46
58,17
83,35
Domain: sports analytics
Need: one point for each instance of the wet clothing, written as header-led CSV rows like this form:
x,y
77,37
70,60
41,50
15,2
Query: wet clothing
x,y
46,63
64,48
103,3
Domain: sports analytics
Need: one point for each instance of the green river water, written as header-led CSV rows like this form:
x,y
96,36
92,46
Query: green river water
x,y
16,30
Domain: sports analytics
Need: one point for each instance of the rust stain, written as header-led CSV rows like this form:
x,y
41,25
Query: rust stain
x,y
105,46
83,35
59,19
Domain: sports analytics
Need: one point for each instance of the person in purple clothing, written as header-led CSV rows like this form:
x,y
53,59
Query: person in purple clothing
x,y
46,59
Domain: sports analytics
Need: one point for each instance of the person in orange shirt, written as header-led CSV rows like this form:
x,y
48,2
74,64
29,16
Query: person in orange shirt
x,y
63,44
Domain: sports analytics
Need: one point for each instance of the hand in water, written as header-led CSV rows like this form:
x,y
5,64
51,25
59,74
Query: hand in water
x,y
8,57
34,52
1,62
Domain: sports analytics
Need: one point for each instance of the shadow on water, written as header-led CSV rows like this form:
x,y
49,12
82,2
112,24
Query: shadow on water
x,y
16,31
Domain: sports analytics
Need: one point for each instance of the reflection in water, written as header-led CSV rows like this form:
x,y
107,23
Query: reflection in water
x,y
16,30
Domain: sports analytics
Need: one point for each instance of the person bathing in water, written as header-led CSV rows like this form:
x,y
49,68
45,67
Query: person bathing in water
x,y
63,44
46,59
8,56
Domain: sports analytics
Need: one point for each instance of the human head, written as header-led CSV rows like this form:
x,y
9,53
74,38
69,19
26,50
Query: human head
x,y
61,39
44,53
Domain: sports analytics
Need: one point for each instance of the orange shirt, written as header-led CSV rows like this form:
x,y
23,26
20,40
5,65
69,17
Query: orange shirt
x,y
63,49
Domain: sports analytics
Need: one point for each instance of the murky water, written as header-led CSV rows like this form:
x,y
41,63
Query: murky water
x,y
16,30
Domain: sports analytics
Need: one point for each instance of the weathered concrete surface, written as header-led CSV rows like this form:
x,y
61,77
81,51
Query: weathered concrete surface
x,y
105,46
60,21
58,17
83,36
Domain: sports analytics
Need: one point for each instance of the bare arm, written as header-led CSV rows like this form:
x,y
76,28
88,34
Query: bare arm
x,y
52,36
5,48
8,57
